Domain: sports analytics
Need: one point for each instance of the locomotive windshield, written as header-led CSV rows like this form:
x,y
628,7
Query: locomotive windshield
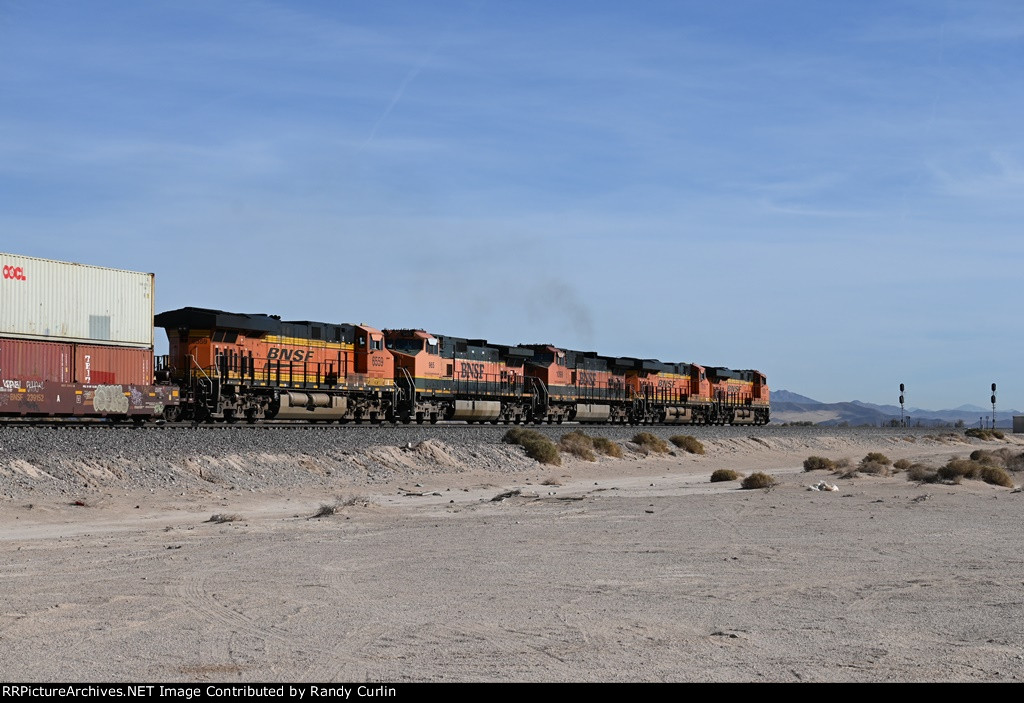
x,y
406,346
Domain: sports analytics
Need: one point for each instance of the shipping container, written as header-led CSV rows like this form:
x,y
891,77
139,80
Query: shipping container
x,y
57,301
98,366
24,361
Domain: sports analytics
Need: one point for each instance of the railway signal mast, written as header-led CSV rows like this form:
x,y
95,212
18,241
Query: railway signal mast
x,y
993,406
903,416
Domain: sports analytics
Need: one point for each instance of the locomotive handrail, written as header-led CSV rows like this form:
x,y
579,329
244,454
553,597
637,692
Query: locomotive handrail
x,y
196,362
409,380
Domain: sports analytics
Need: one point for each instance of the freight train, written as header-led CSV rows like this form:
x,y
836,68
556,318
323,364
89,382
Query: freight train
x,y
81,344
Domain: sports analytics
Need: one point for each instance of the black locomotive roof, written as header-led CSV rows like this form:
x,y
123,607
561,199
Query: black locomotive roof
x,y
206,319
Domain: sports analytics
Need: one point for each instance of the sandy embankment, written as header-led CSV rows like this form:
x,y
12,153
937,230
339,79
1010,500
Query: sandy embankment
x,y
630,570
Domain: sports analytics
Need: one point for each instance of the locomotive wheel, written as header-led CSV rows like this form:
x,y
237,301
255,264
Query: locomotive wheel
x,y
419,418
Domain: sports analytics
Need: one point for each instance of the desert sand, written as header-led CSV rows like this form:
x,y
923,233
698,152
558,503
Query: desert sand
x,y
633,569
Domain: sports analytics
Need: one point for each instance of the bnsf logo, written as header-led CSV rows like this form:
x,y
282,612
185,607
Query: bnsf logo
x,y
472,370
16,273
587,378
290,354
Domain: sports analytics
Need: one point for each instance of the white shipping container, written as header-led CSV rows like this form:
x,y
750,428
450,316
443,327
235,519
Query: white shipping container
x,y
65,302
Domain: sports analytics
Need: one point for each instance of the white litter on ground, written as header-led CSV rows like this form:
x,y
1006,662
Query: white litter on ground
x,y
823,486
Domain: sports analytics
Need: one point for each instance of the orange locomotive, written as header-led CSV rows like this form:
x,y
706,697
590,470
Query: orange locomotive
x,y
233,366
451,378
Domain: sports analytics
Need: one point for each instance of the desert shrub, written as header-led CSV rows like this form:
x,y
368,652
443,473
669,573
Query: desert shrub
x,y
758,479
650,442
876,457
957,469
1015,462
995,475
516,435
978,433
724,475
326,510
537,446
578,444
685,441
542,449
552,481
843,463
220,518
902,464
818,463
993,457
874,468
922,473
608,447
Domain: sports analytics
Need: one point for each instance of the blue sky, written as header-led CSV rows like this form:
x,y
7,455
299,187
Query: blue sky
x,y
830,192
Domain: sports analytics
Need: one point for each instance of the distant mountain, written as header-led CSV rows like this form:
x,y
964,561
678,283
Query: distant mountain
x,y
971,409
788,406
790,397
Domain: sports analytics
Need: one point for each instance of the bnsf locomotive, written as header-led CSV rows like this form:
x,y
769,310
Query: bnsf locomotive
x,y
231,366
78,341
